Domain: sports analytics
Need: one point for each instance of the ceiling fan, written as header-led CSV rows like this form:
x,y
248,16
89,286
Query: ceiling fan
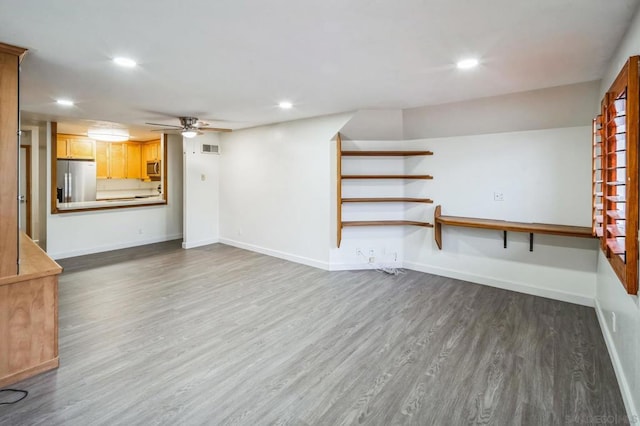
x,y
189,127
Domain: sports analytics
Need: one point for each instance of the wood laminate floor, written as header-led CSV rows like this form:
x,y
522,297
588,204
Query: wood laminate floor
x,y
219,335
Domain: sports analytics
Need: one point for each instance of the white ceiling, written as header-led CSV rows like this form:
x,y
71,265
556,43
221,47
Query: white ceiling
x,y
234,60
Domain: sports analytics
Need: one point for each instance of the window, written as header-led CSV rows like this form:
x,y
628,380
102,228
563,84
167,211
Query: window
x,y
615,176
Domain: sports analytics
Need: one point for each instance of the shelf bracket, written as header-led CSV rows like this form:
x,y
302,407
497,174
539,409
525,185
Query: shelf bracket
x,y
504,236
531,241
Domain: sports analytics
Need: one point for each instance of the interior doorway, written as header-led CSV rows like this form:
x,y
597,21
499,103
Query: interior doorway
x,y
25,189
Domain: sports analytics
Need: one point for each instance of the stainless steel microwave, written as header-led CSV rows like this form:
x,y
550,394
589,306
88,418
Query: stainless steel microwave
x,y
153,170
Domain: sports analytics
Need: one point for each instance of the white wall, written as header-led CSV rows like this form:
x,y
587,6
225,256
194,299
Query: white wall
x,y
74,234
611,297
201,192
544,176
554,107
276,186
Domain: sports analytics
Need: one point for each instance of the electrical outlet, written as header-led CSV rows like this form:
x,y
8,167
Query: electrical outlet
x,y
139,230
498,196
614,327
372,259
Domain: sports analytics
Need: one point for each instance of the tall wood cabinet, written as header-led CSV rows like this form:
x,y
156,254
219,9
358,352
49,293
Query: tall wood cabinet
x,y
28,277
615,175
9,65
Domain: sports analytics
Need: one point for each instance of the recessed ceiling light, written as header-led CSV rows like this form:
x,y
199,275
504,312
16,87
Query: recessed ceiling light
x,y
285,105
125,62
465,64
64,102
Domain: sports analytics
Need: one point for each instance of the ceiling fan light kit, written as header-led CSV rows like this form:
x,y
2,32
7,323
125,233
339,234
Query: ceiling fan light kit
x,y
189,133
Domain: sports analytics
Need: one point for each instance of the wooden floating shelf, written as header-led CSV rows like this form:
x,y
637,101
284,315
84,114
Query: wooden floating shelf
x,y
387,200
386,223
385,153
503,225
379,154
386,177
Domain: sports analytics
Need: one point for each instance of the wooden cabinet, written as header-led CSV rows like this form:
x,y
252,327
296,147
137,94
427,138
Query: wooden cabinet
x,y
615,175
75,147
102,160
341,223
134,163
118,160
28,293
151,151
9,107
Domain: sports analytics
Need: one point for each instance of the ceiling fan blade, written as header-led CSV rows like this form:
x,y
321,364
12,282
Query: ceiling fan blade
x,y
164,125
214,129
167,130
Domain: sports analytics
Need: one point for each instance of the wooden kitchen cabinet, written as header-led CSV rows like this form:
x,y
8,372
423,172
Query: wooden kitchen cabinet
x,y
75,147
150,152
134,164
117,160
102,160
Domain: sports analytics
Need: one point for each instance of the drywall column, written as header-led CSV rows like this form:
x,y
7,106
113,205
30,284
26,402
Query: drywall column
x,y
201,193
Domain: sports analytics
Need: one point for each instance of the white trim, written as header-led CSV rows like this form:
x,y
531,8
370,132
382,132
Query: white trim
x,y
362,266
525,288
625,390
100,249
276,253
192,244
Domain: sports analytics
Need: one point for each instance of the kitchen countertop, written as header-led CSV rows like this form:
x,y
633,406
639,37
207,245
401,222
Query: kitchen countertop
x,y
118,202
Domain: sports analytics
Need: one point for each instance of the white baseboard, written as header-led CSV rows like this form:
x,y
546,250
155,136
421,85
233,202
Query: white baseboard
x,y
563,296
625,390
200,243
362,266
109,247
276,253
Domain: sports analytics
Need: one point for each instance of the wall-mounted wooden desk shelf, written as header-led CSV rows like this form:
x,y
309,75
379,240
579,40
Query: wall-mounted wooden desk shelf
x,y
385,153
387,200
386,223
504,226
386,177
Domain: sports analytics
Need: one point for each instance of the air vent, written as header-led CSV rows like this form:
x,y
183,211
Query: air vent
x,y
210,149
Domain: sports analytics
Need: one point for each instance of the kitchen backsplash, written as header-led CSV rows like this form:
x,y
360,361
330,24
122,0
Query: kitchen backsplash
x,y
117,188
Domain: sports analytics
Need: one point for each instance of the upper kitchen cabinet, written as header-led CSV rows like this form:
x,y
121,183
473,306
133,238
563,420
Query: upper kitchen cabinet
x,y
134,163
72,147
116,160
151,150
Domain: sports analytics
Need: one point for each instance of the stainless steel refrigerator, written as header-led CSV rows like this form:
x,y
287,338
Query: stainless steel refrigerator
x,y
76,181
